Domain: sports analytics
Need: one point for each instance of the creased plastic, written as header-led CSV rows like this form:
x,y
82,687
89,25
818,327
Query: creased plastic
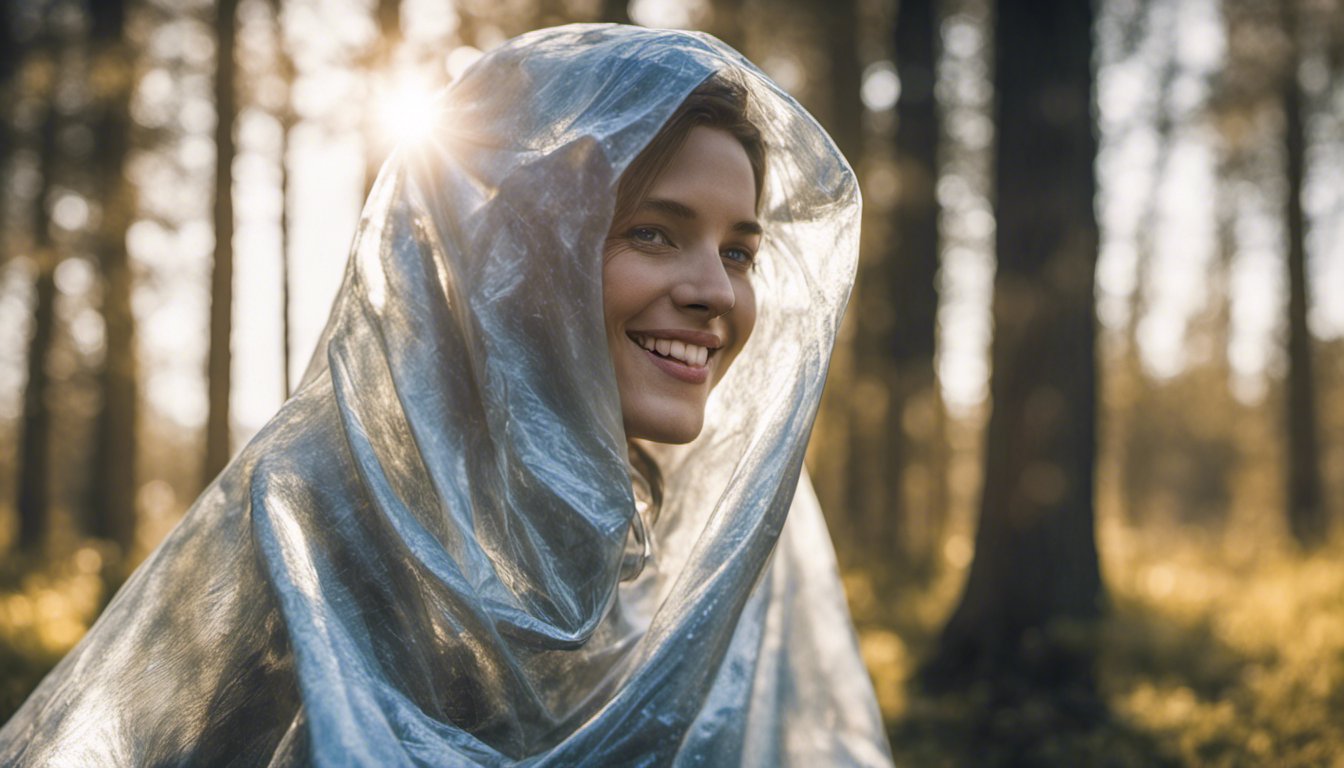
x,y
425,557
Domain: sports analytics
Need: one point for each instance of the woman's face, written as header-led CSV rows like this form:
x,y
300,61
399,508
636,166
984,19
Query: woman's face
x,y
676,286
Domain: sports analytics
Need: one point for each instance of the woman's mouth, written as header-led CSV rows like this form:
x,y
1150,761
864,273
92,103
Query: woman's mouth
x,y
679,359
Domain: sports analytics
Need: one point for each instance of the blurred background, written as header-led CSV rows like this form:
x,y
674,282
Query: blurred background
x,y
1082,447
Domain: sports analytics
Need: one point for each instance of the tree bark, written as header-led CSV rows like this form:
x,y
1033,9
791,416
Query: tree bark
x,y
726,22
1306,513
897,301
287,119
34,499
838,454
911,282
616,11
219,370
113,484
388,15
12,53
1035,576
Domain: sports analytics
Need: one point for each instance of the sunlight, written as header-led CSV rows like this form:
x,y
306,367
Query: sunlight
x,y
406,111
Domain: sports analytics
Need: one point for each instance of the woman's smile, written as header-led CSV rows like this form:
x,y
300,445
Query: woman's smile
x,y
682,354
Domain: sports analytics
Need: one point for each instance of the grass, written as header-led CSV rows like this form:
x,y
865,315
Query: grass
x,y
1213,653
44,611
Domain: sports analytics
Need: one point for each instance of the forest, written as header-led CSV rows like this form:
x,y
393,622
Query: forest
x,y
1081,450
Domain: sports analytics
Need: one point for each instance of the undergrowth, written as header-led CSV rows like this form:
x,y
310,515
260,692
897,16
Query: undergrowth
x,y
1212,653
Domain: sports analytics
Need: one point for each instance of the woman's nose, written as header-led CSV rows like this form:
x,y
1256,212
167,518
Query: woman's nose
x,y
704,285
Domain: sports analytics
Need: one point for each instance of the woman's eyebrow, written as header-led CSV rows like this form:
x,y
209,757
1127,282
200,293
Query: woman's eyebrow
x,y
682,211
670,207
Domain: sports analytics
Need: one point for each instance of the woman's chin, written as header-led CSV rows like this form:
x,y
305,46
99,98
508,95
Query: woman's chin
x,y
670,428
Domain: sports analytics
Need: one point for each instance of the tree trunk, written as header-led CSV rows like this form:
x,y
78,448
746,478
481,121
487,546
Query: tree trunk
x,y
897,301
726,22
911,285
379,69
34,468
113,484
616,11
1306,513
286,332
838,453
287,120
1035,577
12,53
550,13
219,370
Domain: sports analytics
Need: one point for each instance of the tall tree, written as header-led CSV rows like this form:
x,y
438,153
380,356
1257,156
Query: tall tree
x,y
912,277
1035,569
379,68
1306,512
727,22
836,445
616,11
897,300
11,57
550,13
220,366
1225,251
113,483
35,444
287,119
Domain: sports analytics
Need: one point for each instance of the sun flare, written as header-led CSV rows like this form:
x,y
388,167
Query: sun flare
x,y
406,113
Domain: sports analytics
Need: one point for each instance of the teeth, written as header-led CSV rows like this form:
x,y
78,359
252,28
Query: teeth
x,y
690,354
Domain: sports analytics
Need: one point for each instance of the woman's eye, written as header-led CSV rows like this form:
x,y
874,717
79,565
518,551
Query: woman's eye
x,y
740,256
649,235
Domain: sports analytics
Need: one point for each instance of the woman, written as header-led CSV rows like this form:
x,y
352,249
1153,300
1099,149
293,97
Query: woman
x,y
435,554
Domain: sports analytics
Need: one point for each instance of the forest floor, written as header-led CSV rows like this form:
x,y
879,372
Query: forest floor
x,y
44,610
1214,652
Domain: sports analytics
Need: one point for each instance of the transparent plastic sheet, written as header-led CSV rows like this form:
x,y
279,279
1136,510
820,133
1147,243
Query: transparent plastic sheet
x,y
419,560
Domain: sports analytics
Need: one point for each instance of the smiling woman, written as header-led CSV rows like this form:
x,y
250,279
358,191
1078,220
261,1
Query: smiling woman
x,y
539,498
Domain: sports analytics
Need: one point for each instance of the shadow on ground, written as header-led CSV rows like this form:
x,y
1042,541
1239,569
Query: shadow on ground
x,y
1169,694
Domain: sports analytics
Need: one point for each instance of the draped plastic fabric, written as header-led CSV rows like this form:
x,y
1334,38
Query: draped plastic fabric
x,y
419,560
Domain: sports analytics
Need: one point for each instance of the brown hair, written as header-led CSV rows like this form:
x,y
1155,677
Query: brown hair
x,y
716,103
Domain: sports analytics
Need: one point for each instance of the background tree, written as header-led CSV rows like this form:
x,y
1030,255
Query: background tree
x,y
1035,567
113,484
914,420
11,63
380,67
287,118
727,21
1306,513
840,445
218,446
889,481
34,496
615,11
